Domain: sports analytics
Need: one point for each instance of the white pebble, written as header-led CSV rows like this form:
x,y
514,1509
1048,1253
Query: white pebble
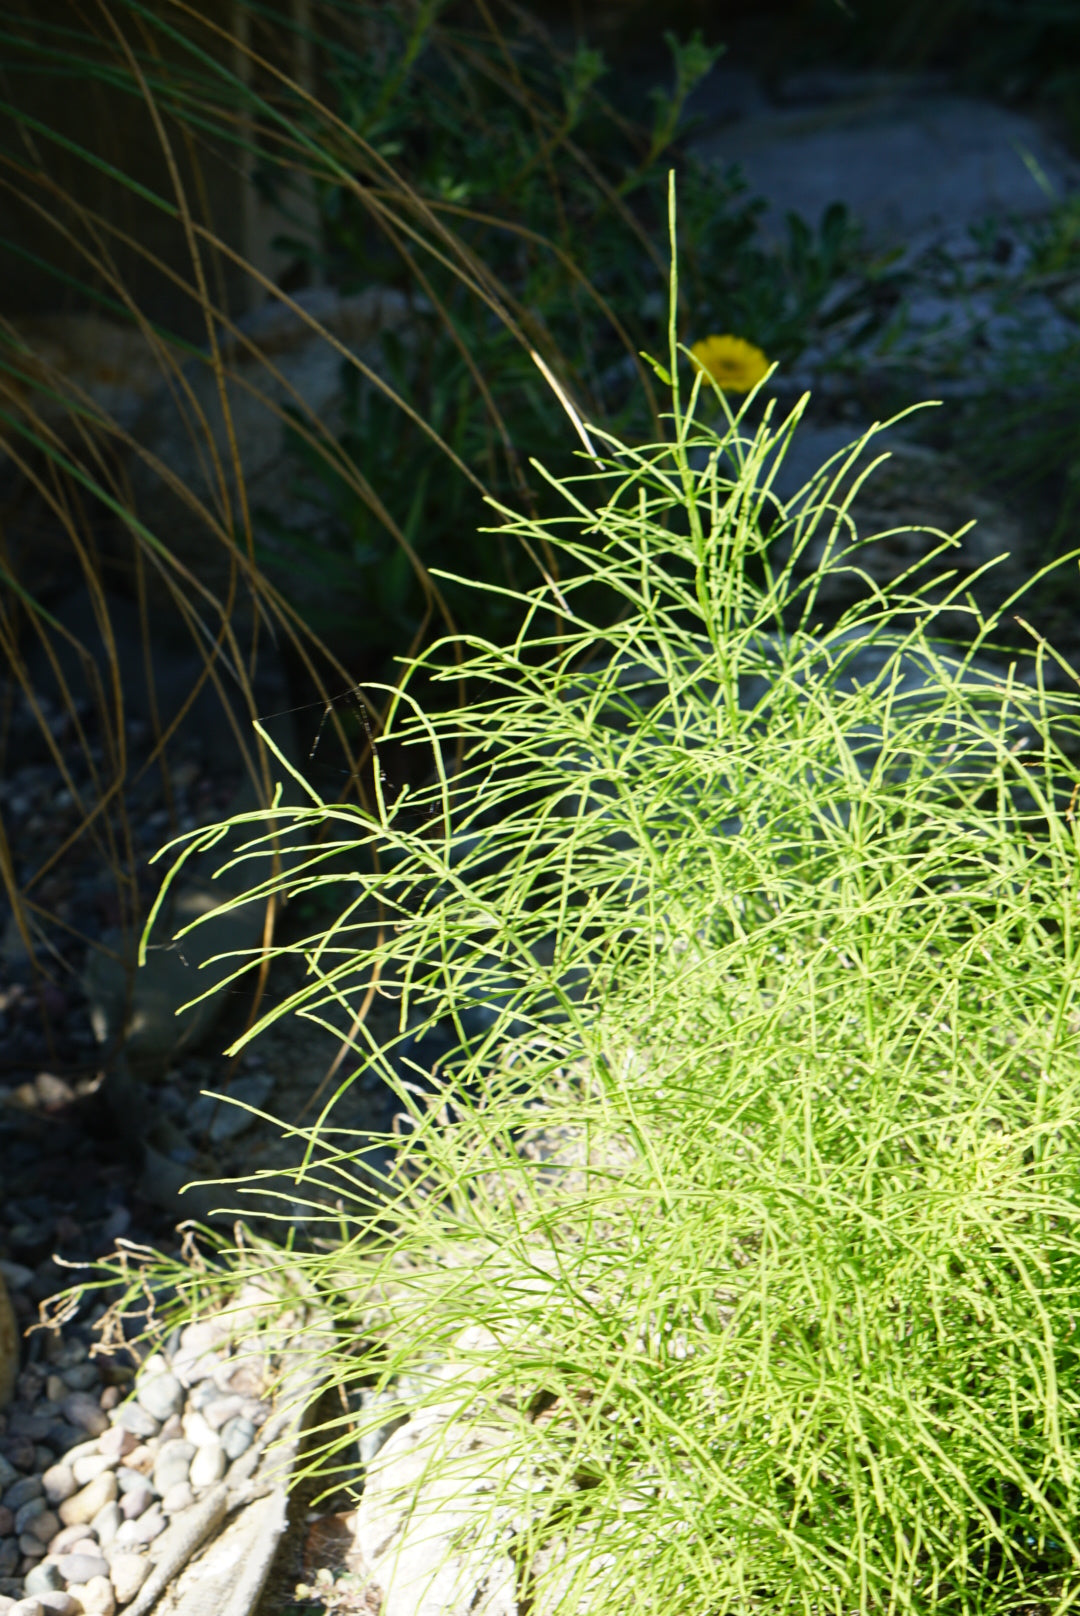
x,y
81,1509
90,1467
161,1395
197,1429
97,1597
137,1534
178,1498
106,1523
128,1573
59,1483
58,1603
208,1465
136,1501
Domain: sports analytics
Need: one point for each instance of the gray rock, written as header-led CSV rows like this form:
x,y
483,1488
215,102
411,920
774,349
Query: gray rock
x,y
44,1526
9,1556
237,1435
215,1409
81,1567
904,164
21,1492
81,1377
8,1472
43,1578
58,1602
85,1412
161,1396
134,1418
137,1534
431,1534
220,1119
305,365
136,1500
29,1512
173,1464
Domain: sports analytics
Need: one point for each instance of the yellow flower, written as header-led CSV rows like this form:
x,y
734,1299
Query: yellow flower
x,y
732,362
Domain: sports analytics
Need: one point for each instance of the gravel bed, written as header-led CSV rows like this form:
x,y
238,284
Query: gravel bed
x,y
98,1460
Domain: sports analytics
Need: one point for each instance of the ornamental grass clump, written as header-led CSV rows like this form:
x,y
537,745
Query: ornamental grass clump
x,y
746,1192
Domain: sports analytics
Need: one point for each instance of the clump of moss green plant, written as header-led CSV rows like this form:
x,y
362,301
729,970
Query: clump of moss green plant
x,y
748,1194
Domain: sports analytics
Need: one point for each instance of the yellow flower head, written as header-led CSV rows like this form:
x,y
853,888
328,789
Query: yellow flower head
x,y
733,363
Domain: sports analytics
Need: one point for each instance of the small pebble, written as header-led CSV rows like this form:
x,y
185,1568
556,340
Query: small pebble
x,y
173,1464
237,1435
197,1429
81,1377
82,1450
173,1427
8,1473
177,1498
97,1597
59,1483
7,1521
196,1367
30,1547
90,1467
109,1398
81,1567
161,1395
58,1603
26,1607
106,1523
43,1579
200,1335
9,1557
85,1504
136,1500
247,1380
44,1526
22,1492
141,1459
134,1418
136,1534
56,1389
82,1410
117,1442
129,1572
67,1539
208,1465
220,1410
20,1450
29,1512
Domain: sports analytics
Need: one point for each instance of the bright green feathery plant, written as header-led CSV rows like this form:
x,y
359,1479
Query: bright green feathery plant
x,y
745,1195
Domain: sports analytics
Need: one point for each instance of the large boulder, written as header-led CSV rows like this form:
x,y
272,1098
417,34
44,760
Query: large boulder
x,y
287,363
906,156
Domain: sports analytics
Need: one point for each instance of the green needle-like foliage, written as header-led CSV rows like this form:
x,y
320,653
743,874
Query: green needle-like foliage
x,y
745,1207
